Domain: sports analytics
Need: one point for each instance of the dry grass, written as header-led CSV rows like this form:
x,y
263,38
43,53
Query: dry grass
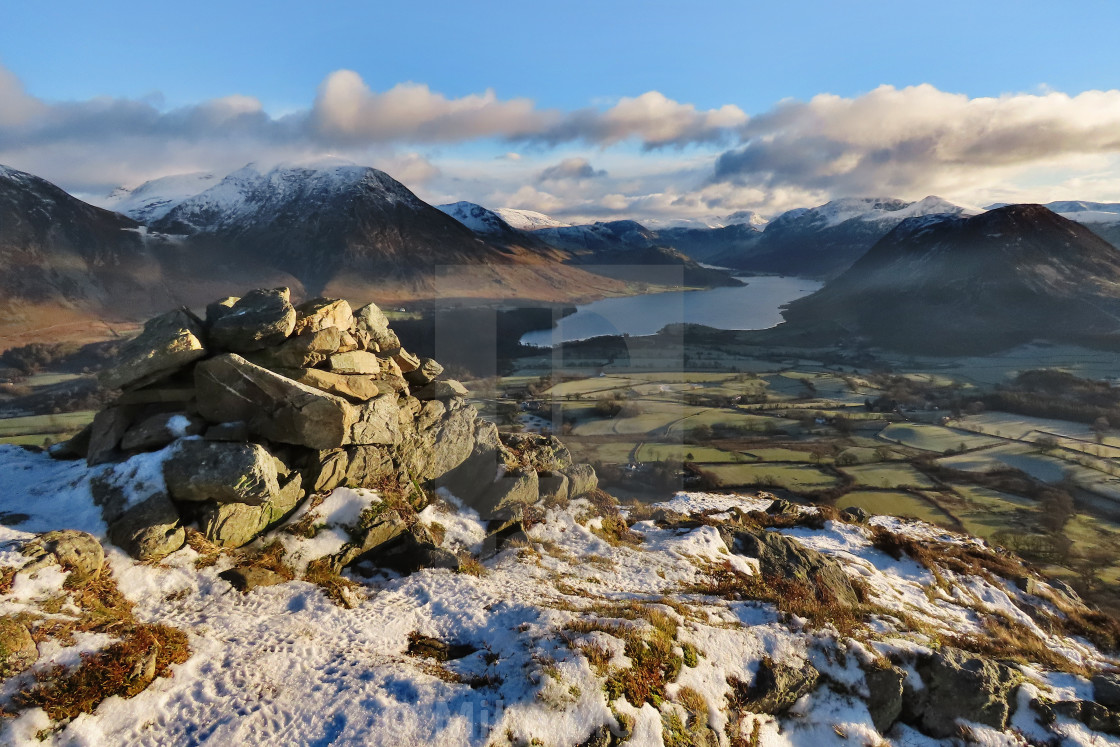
x,y
123,669
471,565
341,591
1009,640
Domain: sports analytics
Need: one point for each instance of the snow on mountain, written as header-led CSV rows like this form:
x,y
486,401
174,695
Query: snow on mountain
x,y
156,198
601,236
565,636
528,220
750,217
252,194
878,209
475,217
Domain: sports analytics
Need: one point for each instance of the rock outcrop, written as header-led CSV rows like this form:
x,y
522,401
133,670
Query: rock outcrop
x,y
232,422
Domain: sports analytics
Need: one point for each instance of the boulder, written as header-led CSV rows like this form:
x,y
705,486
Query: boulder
x,y
167,343
442,441
1106,689
219,308
321,313
407,554
473,476
383,528
247,578
347,342
508,495
77,552
368,467
441,390
273,406
406,361
356,362
259,319
148,530
776,687
780,507
855,515
18,651
785,557
75,447
353,387
1092,714
157,431
581,480
332,470
237,524
300,351
543,453
884,696
960,685
376,421
222,472
106,432
372,322
427,372
554,486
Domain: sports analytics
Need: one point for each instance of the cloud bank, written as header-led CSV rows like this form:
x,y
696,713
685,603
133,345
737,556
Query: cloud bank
x,y
653,157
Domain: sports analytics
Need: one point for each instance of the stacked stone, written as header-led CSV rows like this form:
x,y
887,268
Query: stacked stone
x,y
263,403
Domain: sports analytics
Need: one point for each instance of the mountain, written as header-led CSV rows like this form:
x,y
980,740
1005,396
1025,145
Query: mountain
x,y
823,241
352,230
1102,218
156,198
495,230
61,259
952,284
711,244
527,220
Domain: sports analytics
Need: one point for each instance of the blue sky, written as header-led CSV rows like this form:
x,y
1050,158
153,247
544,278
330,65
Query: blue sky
x,y
553,70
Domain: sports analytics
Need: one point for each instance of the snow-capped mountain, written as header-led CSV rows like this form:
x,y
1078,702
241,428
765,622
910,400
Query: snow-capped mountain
x,y
528,220
475,217
597,237
825,240
156,198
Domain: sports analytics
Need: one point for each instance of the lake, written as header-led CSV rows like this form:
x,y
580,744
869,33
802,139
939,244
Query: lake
x,y
753,306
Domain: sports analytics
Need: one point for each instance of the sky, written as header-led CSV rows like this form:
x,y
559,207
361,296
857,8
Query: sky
x,y
660,111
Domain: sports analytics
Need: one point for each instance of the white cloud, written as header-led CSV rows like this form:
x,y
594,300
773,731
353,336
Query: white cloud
x,y
918,140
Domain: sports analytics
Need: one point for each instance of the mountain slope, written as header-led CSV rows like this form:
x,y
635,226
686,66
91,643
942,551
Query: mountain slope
x,y
950,284
824,241
156,198
60,256
350,229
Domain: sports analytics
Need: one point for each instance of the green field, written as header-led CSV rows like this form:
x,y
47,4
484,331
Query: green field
x,y
895,503
934,437
67,422
656,452
888,475
796,477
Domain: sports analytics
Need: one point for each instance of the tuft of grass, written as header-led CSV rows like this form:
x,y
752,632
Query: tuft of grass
x,y
342,591
616,532
208,552
1007,639
271,558
122,669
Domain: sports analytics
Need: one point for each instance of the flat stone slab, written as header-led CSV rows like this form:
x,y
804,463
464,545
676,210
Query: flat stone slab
x,y
168,343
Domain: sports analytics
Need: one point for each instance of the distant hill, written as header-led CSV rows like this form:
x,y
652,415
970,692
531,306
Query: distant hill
x,y
1102,218
945,284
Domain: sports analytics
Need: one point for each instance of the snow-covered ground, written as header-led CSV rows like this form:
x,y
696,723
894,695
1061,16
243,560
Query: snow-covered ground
x,y
286,665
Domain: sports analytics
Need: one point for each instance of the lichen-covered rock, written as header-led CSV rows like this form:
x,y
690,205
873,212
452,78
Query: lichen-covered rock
x,y
222,472
581,480
148,530
247,578
273,406
427,372
157,431
167,343
376,421
508,495
960,685
106,431
355,362
785,557
776,687
77,552
884,696
18,651
371,321
259,319
1106,690
321,313
237,524
353,387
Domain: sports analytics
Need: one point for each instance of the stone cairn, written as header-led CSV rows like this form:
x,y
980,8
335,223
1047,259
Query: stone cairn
x,y
263,404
